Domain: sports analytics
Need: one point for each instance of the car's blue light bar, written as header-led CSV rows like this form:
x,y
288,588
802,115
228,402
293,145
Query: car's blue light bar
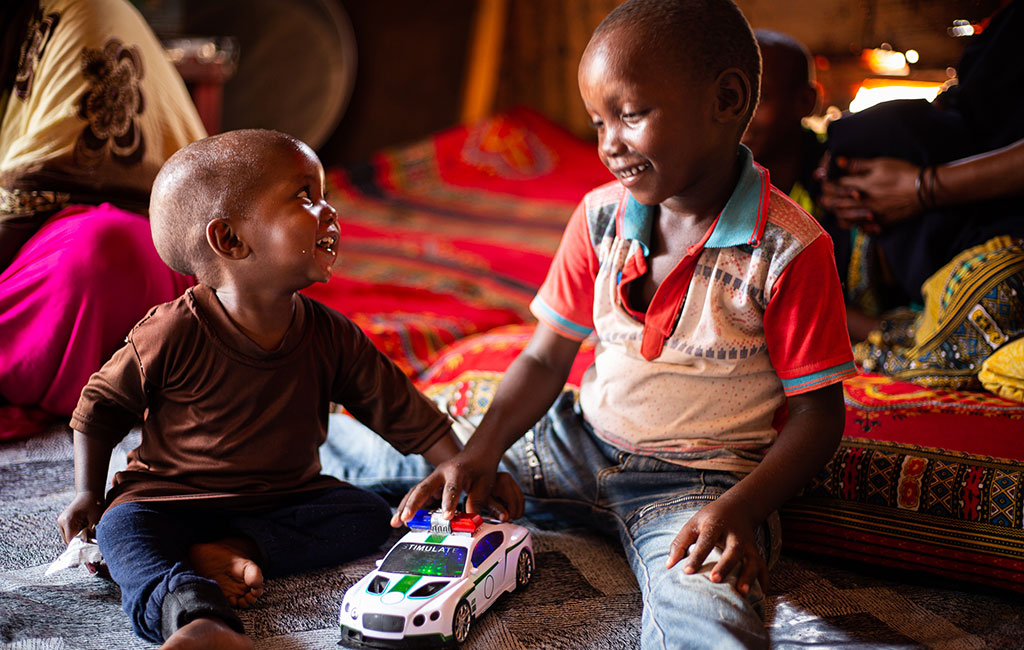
x,y
435,522
420,521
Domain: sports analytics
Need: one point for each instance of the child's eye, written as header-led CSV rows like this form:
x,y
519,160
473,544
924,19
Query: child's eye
x,y
596,124
633,116
305,195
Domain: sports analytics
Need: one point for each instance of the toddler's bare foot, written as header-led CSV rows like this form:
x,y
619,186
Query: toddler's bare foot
x,y
229,562
207,633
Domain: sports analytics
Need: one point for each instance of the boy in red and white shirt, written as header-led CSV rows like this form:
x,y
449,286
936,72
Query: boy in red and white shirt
x,y
743,321
716,391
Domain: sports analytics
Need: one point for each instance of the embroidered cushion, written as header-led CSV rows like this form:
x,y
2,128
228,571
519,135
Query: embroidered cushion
x,y
1003,372
972,308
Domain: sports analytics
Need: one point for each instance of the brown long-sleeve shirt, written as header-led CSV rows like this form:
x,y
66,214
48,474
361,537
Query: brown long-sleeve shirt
x,y
225,419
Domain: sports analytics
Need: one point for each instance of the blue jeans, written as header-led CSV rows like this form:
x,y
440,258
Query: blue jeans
x,y
570,475
146,544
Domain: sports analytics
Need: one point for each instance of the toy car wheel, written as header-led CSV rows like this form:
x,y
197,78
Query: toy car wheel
x,y
524,569
461,622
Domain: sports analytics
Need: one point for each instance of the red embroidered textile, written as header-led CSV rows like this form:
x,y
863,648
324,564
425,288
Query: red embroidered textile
x,y
926,480
453,235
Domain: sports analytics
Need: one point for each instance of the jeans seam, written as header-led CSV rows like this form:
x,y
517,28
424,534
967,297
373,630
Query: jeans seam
x,y
532,466
599,481
646,588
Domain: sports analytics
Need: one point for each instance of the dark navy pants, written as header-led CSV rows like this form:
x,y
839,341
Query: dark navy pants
x,y
146,544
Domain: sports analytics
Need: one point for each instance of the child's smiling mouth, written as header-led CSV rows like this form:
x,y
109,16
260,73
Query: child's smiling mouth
x,y
327,243
629,173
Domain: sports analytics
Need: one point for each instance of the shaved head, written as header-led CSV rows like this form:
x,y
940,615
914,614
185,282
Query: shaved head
x,y
703,37
213,178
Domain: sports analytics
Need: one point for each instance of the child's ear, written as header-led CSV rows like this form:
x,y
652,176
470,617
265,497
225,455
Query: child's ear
x,y
808,98
225,241
732,95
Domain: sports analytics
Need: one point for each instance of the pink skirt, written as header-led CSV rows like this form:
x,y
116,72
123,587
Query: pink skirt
x,y
67,301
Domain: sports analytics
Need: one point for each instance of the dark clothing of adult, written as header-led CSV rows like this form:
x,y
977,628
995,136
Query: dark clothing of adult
x,y
811,151
983,112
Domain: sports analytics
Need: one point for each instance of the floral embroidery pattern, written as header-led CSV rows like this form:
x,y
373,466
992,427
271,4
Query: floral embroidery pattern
x,y
909,484
40,29
111,105
22,202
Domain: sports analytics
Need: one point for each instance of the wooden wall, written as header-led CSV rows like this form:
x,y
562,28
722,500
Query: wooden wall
x,y
545,39
543,44
413,56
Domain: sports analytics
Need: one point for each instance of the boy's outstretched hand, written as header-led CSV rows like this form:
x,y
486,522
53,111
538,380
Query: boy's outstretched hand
x,y
729,527
485,489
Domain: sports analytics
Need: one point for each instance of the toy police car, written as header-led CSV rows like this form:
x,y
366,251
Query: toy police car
x,y
432,584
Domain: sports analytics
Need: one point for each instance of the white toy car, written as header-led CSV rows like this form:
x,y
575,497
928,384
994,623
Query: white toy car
x,y
432,584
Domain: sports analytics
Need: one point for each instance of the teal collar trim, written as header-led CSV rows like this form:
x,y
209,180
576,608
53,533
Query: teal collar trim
x,y
745,214
742,219
637,221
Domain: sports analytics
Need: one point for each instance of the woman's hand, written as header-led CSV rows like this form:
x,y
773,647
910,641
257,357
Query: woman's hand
x,y
83,513
873,193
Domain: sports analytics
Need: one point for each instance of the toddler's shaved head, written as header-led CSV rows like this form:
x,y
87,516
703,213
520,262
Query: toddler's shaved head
x,y
212,178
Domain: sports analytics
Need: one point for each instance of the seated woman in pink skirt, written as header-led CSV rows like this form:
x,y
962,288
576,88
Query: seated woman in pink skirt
x,y
90,108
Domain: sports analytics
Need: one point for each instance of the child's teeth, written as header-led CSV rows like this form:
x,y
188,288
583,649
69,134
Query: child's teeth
x,y
633,171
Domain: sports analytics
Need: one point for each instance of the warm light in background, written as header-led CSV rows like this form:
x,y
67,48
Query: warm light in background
x,y
874,91
963,28
885,60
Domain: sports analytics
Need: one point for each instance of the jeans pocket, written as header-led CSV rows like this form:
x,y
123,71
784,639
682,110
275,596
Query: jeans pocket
x,y
684,501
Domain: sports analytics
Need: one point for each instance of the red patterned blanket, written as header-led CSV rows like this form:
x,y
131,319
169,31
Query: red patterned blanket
x,y
924,479
453,235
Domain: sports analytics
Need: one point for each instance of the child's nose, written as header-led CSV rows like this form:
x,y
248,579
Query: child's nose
x,y
610,141
328,213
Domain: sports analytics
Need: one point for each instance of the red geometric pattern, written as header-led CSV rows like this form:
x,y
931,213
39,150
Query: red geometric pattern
x,y
951,513
880,499
976,422
452,235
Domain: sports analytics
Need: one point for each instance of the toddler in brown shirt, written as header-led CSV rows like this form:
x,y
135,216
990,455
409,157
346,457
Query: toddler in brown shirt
x,y
232,383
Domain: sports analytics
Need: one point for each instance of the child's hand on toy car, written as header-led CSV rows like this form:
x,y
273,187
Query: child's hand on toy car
x,y
486,491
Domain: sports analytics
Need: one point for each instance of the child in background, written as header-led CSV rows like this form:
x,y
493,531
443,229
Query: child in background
x,y
233,383
715,392
776,134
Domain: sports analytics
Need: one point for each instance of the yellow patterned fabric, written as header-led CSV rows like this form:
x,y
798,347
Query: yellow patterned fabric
x,y
863,273
1003,372
96,107
972,308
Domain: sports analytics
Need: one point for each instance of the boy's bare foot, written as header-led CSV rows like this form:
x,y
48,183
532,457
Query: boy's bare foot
x,y
229,562
203,633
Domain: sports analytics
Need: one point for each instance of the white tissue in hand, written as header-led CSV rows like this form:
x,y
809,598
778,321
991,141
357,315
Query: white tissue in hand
x,y
81,550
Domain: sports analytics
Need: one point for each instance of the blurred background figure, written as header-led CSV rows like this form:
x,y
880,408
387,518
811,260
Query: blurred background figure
x,y
776,134
926,210
911,184
90,107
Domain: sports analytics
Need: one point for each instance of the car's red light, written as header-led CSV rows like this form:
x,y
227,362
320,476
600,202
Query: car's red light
x,y
466,523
